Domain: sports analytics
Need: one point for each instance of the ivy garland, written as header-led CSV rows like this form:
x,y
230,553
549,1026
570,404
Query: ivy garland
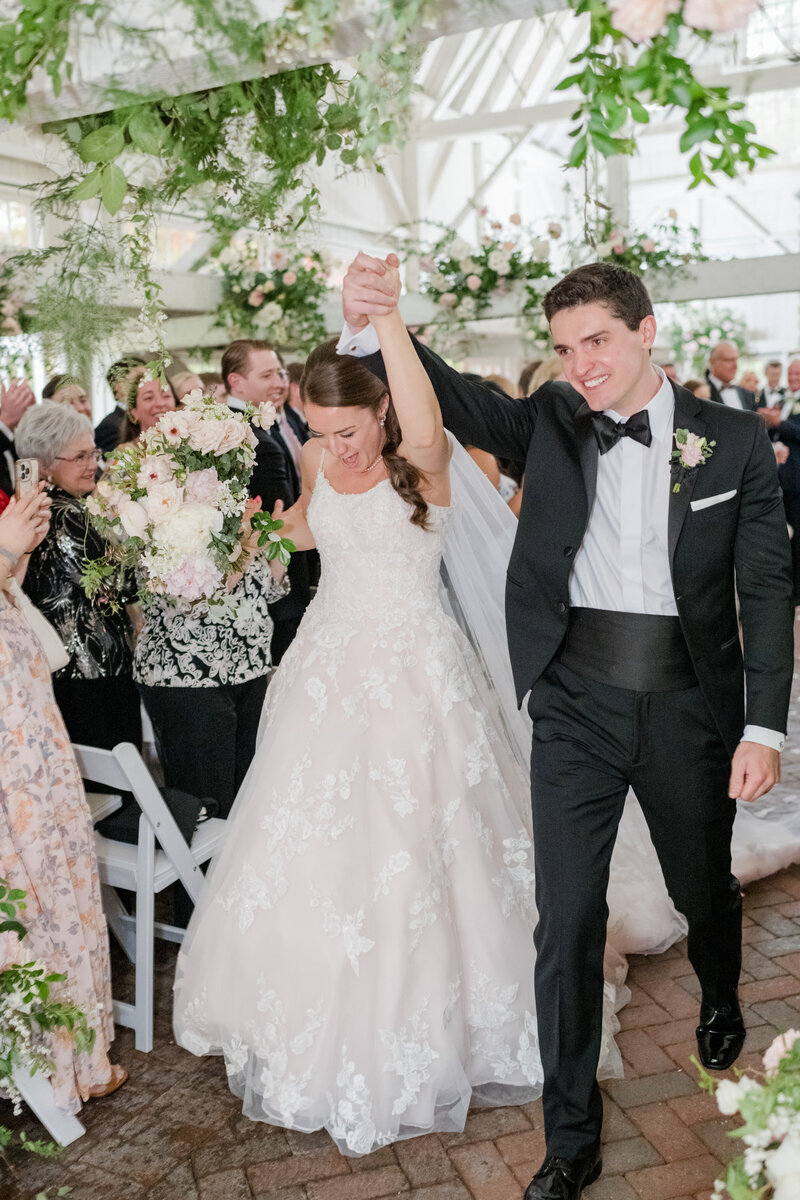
x,y
617,83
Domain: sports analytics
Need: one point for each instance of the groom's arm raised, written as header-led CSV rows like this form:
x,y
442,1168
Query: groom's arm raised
x,y
475,413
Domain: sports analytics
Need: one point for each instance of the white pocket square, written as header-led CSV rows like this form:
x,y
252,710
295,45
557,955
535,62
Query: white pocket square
x,y
696,505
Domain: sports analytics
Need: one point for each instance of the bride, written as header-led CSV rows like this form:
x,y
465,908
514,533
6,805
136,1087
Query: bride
x,y
362,955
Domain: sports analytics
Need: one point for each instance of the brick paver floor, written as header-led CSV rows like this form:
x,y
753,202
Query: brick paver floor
x,y
174,1132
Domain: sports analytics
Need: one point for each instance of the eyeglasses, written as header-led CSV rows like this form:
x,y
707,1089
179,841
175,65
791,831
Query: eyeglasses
x,y
94,456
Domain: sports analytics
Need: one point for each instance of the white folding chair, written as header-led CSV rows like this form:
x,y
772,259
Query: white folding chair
x,y
37,1092
145,870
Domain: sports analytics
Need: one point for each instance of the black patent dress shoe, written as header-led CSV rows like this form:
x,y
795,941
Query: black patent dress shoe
x,y
565,1178
720,1034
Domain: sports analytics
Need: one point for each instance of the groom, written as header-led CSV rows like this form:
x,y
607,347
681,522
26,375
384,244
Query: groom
x,y
622,626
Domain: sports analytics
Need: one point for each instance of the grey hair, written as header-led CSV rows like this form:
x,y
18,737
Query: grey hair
x,y
46,429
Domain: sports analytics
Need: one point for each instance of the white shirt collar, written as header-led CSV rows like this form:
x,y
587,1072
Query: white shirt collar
x,y
719,385
660,409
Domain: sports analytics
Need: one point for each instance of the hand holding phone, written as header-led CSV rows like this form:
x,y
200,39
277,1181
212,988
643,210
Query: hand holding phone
x,y
26,476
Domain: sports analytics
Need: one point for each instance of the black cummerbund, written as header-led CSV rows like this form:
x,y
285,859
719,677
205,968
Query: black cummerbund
x,y
628,650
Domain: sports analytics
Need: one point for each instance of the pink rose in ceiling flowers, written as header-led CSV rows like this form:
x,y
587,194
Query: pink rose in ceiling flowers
x,y
289,278
473,282
642,19
515,219
720,16
648,245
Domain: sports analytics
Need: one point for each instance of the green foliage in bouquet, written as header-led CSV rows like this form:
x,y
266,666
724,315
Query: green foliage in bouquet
x,y
28,1014
769,1105
281,302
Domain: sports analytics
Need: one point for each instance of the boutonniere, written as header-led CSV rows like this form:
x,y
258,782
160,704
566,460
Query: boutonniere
x,y
690,453
795,410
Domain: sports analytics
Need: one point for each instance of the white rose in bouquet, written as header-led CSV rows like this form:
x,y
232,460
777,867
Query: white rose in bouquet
x,y
205,436
783,1165
642,19
188,530
720,16
162,500
173,426
134,518
234,433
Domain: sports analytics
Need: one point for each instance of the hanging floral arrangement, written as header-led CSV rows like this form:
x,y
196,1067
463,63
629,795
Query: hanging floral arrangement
x,y
510,265
695,332
666,249
279,302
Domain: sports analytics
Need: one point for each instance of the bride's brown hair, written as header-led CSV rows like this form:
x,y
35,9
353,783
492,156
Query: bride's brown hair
x,y
334,380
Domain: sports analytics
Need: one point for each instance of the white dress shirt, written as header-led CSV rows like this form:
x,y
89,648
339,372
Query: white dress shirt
x,y
773,396
623,562
728,392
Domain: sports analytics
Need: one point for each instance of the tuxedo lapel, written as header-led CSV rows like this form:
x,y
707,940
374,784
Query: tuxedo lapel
x,y
588,452
687,416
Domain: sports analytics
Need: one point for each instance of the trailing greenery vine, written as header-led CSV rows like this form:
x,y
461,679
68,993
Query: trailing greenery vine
x,y
618,79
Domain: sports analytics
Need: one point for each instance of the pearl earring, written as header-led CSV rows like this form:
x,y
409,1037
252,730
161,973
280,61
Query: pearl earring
x,y
382,422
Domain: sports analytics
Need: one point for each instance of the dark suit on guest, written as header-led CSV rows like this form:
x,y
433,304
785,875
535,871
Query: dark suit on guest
x,y
747,398
303,569
108,433
592,741
788,432
765,397
6,476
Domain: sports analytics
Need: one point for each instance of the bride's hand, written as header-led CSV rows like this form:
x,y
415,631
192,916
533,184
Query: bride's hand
x,y
391,277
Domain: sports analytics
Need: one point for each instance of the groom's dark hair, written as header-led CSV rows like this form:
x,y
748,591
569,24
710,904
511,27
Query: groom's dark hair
x,y
602,283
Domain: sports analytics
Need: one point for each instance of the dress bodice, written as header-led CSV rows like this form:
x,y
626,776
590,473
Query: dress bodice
x,y
374,561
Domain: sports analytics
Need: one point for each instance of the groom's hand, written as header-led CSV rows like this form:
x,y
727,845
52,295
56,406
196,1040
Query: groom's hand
x,y
368,289
754,770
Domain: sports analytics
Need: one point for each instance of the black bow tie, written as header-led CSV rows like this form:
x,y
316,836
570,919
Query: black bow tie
x,y
608,432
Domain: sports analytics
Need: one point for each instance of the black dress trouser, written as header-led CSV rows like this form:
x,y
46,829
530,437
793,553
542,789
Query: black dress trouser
x,y
206,736
590,743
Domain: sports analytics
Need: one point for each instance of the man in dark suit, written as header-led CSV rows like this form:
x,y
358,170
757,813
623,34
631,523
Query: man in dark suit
x,y
253,374
722,363
15,399
771,396
783,424
622,628
108,433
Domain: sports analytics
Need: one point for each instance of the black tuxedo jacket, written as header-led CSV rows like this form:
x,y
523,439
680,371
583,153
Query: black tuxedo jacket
x,y
108,433
788,432
748,399
738,542
762,396
6,480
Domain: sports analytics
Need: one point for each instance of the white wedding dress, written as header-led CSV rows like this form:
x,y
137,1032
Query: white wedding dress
x,y
362,954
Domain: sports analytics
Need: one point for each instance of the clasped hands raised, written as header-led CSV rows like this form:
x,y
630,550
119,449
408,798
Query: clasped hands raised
x,y
371,289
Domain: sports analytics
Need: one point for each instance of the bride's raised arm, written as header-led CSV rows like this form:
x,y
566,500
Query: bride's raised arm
x,y
424,441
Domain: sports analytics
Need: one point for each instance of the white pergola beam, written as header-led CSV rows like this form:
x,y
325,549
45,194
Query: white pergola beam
x,y
745,82
708,281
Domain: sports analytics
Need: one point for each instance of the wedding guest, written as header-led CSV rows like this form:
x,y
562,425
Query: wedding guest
x,y
95,690
253,374
500,381
65,389
547,372
749,381
526,375
119,377
783,425
46,835
184,382
15,399
670,370
213,385
295,372
148,399
722,363
771,395
699,388
202,674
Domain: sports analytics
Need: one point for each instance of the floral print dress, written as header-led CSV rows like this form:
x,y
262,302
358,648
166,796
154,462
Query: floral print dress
x,y
47,849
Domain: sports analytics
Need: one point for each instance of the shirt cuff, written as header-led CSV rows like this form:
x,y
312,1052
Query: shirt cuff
x,y
359,342
764,737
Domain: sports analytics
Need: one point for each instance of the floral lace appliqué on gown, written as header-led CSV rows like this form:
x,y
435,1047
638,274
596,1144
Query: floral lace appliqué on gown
x,y
362,955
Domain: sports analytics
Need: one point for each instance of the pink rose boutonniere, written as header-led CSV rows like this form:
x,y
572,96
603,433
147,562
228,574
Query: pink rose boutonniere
x,y
690,453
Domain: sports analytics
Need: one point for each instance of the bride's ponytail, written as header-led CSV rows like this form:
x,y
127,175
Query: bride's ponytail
x,y
334,380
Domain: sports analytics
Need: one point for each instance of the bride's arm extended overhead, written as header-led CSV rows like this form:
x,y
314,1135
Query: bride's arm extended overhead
x,y
424,441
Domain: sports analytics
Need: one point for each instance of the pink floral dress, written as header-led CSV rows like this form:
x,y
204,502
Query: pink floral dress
x,y
47,848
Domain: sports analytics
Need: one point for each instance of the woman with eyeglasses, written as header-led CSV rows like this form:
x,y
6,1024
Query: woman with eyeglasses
x,y
95,690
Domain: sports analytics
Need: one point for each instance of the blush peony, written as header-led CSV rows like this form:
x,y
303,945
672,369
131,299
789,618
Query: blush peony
x,y
720,16
196,577
202,487
642,19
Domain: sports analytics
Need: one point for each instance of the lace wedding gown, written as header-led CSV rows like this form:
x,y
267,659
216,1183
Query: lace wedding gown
x,y
362,955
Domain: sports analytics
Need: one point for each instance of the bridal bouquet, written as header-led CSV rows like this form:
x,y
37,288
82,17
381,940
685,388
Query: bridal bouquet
x,y
172,504
770,1164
